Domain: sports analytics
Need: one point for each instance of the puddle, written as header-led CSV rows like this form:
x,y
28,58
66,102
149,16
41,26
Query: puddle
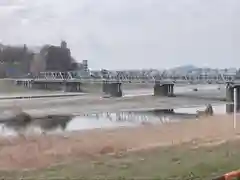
x,y
59,124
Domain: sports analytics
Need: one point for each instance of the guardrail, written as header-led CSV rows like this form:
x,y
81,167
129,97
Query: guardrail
x,y
140,78
133,81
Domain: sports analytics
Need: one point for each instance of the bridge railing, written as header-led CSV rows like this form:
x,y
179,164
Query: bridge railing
x,y
55,75
146,77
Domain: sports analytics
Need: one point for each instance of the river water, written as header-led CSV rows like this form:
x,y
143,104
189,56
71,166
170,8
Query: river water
x,y
114,120
106,120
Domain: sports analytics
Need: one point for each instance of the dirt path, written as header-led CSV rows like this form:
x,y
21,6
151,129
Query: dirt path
x,y
36,152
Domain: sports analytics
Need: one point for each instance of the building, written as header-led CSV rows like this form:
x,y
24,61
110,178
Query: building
x,y
15,61
58,58
85,65
53,58
19,61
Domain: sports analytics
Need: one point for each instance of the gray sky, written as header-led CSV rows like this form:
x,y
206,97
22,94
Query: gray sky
x,y
129,33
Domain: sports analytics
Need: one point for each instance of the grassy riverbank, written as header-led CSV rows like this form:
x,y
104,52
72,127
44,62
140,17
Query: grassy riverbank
x,y
179,163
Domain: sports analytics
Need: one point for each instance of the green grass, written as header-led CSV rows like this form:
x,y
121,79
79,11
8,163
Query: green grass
x,y
174,163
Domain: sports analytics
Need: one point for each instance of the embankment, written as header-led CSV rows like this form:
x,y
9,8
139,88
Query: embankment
x,y
8,86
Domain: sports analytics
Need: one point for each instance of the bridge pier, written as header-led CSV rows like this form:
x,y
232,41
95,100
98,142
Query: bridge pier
x,y
105,87
112,88
230,98
163,90
27,83
72,87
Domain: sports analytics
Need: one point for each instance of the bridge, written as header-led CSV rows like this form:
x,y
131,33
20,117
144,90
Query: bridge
x,y
144,77
162,82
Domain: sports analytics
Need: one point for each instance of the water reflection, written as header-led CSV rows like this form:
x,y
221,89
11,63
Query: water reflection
x,y
56,123
44,124
137,116
52,122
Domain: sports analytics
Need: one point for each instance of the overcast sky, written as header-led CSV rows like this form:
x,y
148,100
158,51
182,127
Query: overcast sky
x,y
129,34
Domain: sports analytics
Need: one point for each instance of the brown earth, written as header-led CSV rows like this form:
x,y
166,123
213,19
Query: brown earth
x,y
45,150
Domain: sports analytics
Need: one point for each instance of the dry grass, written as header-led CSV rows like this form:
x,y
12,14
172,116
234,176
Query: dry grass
x,y
179,162
135,152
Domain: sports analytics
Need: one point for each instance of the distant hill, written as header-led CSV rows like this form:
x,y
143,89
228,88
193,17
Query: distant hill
x,y
183,69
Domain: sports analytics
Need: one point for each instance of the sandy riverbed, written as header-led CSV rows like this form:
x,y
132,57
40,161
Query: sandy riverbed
x,y
88,104
42,151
